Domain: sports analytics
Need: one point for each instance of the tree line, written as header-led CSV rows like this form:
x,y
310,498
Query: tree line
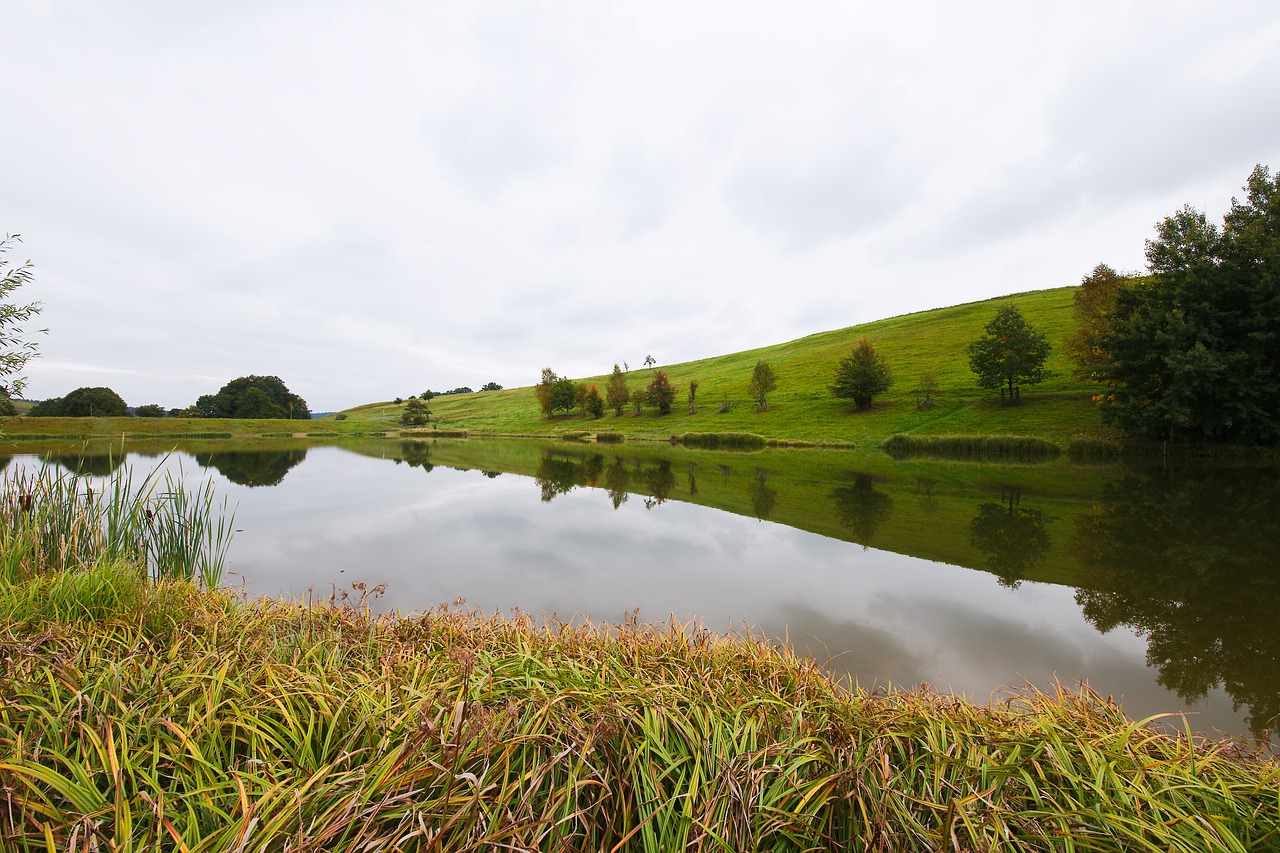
x,y
1192,350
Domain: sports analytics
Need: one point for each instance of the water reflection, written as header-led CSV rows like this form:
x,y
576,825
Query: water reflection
x,y
1012,537
762,497
253,468
1189,562
1157,588
862,508
90,465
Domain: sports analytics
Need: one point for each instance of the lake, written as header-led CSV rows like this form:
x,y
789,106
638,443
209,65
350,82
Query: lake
x,y
1157,586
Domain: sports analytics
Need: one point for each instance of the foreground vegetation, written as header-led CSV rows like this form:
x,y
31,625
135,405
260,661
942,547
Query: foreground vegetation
x,y
186,719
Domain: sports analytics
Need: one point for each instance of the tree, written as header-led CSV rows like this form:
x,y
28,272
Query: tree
x,y
616,394
15,350
95,402
862,375
271,398
1194,350
661,393
650,361
639,397
593,402
150,410
1010,352
491,386
416,413
762,383
543,390
1094,303
564,395
693,396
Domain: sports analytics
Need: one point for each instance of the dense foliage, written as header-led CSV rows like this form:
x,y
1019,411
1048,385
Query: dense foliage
x,y
97,402
1010,353
661,392
1195,350
861,375
416,413
555,393
254,397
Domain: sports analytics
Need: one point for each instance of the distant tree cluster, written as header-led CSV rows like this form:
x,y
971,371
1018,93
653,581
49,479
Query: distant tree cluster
x,y
98,402
254,397
428,394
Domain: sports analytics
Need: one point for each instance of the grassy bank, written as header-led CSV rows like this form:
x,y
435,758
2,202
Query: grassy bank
x,y
273,726
802,408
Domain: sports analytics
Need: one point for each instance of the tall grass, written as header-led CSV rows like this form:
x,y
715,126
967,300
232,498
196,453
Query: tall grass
x,y
54,521
721,440
973,447
272,726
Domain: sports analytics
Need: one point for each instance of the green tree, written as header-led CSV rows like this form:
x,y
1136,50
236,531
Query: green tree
x,y
15,349
7,409
271,399
97,402
555,393
862,375
1010,353
639,397
616,394
762,383
150,410
416,413
1194,351
661,393
693,396
491,386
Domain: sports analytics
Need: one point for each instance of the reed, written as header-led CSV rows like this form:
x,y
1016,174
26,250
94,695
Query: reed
x,y
973,447
53,521
722,440
610,437
277,726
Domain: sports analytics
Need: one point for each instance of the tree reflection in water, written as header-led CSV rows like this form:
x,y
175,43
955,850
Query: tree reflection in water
x,y
762,496
1013,539
862,508
253,467
1190,563
96,465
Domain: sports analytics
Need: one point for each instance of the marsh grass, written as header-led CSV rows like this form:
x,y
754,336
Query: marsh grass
x,y
979,448
721,440
276,726
53,521
610,437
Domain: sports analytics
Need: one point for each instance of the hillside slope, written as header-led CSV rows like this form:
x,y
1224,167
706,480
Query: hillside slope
x,y
802,407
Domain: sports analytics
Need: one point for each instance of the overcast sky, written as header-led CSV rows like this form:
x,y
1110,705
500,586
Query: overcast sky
x,y
372,199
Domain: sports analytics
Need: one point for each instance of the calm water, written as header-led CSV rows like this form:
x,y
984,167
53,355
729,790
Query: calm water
x,y
1158,587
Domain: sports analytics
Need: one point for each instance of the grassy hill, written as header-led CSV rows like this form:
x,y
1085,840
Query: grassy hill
x,y
802,408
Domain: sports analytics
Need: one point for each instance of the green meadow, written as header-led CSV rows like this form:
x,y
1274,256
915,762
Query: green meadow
x,y
803,408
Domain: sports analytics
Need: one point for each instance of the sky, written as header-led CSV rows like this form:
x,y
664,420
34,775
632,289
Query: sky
x,y
370,200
